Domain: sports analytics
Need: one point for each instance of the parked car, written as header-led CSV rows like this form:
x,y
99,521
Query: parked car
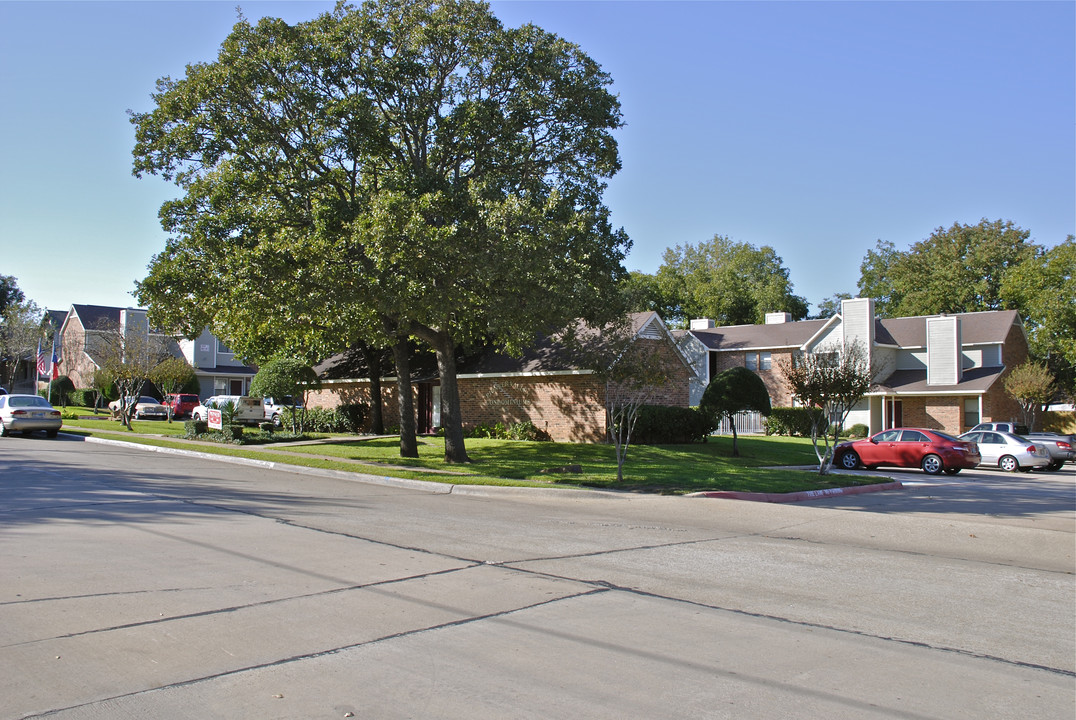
x,y
274,408
145,407
27,413
932,450
3,391
1007,451
181,403
248,410
1062,448
1006,427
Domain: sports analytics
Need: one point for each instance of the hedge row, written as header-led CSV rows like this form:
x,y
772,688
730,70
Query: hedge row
x,y
663,425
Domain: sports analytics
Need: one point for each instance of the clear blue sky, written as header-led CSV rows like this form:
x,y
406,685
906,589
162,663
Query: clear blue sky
x,y
816,128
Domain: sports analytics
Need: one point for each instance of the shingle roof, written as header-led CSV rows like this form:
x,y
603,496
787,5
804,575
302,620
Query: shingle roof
x,y
914,382
777,335
990,326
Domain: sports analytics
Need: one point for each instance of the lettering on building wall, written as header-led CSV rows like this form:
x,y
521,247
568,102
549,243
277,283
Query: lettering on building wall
x,y
501,395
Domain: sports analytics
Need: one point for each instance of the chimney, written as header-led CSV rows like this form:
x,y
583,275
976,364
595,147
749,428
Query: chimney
x,y
776,318
944,357
702,324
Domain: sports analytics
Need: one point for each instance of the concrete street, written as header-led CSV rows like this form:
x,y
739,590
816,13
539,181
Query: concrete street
x,y
138,584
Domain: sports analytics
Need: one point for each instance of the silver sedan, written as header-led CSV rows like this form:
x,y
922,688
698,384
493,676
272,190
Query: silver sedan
x,y
1007,451
26,413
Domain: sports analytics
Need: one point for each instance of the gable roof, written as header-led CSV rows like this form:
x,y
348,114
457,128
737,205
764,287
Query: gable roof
x,y
977,328
546,356
743,337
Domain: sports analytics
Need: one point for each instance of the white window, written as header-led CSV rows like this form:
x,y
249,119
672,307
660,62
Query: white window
x,y
758,361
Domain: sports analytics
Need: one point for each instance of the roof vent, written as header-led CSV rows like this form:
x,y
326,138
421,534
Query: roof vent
x,y
776,318
702,324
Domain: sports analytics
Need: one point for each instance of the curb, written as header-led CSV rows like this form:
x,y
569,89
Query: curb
x,y
799,496
429,486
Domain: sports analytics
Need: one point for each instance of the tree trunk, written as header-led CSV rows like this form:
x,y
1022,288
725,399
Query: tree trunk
x,y
451,412
374,361
401,353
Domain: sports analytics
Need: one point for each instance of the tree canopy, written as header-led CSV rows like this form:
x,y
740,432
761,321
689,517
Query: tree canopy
x,y
732,283
959,269
988,266
733,391
405,168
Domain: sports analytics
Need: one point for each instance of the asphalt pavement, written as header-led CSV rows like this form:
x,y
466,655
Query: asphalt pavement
x,y
153,584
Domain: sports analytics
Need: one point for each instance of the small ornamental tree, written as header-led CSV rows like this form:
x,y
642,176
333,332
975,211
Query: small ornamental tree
x,y
1032,385
285,377
830,383
127,357
634,371
733,391
170,376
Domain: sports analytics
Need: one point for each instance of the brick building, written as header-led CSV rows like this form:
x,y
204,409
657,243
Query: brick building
x,y
939,371
543,386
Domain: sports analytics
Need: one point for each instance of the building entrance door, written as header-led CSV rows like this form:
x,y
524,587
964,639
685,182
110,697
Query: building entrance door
x,y
894,413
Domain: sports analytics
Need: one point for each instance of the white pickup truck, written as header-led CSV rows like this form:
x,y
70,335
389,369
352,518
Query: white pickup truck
x,y
248,410
273,408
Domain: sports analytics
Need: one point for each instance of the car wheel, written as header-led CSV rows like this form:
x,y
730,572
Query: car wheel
x,y
276,420
196,417
849,460
932,465
1008,464
3,429
952,471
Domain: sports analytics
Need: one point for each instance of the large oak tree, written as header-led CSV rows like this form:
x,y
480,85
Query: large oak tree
x,y
404,168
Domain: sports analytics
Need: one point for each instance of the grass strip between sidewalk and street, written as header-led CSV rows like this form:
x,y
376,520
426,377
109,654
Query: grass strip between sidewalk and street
x,y
763,465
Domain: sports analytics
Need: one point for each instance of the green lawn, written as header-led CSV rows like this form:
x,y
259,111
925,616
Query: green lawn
x,y
668,469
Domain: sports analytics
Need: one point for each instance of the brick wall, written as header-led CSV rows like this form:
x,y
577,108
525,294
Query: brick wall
x,y
773,379
998,404
571,408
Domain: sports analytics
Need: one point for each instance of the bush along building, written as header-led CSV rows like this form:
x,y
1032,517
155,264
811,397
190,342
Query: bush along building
x,y
546,387
940,371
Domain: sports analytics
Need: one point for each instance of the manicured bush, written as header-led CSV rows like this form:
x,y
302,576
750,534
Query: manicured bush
x,y
859,430
60,390
194,428
232,433
83,396
791,421
662,425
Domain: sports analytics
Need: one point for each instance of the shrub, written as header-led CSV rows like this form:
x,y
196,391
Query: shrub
x,y
194,428
83,396
790,421
525,430
662,425
354,415
59,390
859,430
232,433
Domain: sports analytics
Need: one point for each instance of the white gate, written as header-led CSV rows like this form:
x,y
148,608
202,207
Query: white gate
x,y
747,423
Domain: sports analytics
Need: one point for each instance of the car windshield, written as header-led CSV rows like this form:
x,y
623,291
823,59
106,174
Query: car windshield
x,y
28,401
946,436
149,400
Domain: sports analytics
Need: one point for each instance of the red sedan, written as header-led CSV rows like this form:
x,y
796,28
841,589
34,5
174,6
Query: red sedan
x,y
932,450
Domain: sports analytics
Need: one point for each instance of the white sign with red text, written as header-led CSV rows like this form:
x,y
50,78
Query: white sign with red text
x,y
216,420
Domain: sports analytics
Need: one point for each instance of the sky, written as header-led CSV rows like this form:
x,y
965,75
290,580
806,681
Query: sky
x,y
815,128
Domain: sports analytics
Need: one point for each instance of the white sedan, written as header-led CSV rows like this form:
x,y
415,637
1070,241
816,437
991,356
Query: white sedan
x,y
26,413
1007,451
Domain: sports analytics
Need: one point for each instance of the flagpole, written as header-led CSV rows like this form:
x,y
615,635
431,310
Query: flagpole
x,y
37,367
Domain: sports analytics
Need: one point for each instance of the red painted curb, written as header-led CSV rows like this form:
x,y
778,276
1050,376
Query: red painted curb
x,y
799,496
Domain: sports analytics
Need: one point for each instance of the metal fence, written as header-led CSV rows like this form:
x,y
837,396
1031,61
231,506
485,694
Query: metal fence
x,y
747,423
